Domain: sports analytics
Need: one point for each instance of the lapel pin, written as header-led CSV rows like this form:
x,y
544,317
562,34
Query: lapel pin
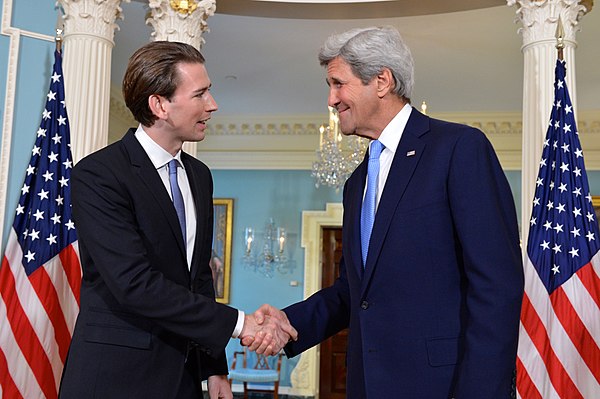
x,y
410,153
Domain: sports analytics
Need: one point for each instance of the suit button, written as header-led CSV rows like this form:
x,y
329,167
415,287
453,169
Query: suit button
x,y
364,305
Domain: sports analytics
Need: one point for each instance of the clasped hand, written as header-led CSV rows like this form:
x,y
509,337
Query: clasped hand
x,y
267,331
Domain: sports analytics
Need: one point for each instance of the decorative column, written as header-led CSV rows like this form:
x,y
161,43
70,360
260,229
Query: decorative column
x,y
181,21
540,21
89,27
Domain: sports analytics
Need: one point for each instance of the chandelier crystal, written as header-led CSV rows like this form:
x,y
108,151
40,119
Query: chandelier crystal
x,y
336,158
270,256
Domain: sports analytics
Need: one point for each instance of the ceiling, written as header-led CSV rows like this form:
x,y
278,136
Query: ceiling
x,y
262,55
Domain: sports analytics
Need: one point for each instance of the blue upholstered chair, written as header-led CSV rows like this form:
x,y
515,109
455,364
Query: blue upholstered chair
x,y
261,372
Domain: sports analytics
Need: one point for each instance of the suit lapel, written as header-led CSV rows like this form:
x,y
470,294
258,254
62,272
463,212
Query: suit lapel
x,y
197,194
144,168
405,161
352,208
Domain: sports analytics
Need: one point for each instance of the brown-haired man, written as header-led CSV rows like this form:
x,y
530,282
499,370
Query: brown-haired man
x,y
149,325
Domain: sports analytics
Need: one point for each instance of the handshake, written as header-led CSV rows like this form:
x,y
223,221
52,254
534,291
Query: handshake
x,y
267,331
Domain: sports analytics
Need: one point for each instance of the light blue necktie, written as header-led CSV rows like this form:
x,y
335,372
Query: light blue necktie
x,y
176,194
367,216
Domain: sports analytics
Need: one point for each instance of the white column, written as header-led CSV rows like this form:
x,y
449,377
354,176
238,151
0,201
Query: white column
x,y
88,42
539,21
185,25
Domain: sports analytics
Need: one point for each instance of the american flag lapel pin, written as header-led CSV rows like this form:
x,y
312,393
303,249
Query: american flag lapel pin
x,y
411,153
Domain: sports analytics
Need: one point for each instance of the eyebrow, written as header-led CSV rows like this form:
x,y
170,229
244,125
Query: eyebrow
x,y
202,90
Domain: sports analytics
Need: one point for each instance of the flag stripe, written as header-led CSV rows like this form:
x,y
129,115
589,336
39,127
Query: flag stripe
x,y
7,384
68,302
526,386
539,336
70,262
590,280
25,335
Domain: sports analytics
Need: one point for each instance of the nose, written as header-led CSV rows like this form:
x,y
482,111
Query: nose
x,y
212,104
332,98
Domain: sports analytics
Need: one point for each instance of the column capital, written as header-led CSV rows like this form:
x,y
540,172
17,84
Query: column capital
x,y
180,24
91,17
539,18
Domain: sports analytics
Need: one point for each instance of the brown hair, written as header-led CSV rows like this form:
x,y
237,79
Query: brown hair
x,y
152,69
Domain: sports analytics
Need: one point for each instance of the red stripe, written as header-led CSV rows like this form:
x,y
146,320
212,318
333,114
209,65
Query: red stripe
x,y
578,333
525,385
70,262
46,291
9,388
537,332
590,280
25,335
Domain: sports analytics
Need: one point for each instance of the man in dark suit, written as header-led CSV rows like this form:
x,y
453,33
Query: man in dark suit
x,y
432,295
149,326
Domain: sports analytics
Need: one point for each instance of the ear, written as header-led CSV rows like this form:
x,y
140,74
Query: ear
x,y
158,105
385,82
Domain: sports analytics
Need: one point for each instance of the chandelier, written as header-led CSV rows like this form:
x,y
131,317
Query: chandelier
x,y
336,158
270,255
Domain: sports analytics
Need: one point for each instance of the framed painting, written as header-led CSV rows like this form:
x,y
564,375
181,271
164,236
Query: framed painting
x,y
596,204
220,260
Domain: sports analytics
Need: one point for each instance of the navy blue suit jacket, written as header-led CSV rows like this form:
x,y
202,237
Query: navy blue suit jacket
x,y
435,313
140,305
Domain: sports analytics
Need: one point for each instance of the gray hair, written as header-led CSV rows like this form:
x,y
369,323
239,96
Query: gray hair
x,y
368,51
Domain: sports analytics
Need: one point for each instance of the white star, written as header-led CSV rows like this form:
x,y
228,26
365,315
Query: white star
x,y
558,105
547,225
550,205
43,194
68,164
539,181
560,85
51,239
46,114
55,218
590,217
556,248
558,228
51,95
589,197
59,200
47,176
547,142
24,189
575,232
567,128
554,163
545,245
70,225
30,256
556,126
551,185
41,132
39,215
555,144
564,167
34,235
574,252
577,191
578,153
36,151
30,170
590,236
53,157
63,181
568,109
562,187
543,162
555,269
576,212
20,209
536,201
560,208
56,138
55,77
565,147
577,171
61,120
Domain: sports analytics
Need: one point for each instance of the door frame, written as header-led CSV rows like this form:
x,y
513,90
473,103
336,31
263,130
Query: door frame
x,y
305,376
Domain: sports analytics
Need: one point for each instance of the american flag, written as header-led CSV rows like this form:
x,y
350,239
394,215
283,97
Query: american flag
x,y
558,355
40,275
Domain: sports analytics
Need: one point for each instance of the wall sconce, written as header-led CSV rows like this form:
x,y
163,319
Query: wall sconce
x,y
270,256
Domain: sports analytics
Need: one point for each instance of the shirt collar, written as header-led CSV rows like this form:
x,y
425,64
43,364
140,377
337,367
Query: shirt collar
x,y
390,137
158,155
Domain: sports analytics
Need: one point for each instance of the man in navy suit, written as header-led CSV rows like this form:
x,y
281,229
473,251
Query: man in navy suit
x,y
149,326
432,297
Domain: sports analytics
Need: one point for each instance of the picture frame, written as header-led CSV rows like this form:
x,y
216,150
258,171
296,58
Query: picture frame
x,y
220,260
596,205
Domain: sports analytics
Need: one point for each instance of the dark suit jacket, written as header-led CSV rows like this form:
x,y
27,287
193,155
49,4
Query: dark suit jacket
x,y
435,313
140,306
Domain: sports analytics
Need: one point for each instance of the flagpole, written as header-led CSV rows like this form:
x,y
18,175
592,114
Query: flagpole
x,y
560,35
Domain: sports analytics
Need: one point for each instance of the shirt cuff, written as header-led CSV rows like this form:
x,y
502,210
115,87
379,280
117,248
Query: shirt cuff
x,y
239,325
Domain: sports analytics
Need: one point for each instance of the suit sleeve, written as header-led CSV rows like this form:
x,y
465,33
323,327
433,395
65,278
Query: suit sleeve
x,y
485,221
118,253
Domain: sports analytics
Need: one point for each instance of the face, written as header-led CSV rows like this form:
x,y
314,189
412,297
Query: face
x,y
191,105
356,103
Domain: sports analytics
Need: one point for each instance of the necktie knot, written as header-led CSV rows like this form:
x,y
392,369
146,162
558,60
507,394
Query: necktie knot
x,y
173,164
376,149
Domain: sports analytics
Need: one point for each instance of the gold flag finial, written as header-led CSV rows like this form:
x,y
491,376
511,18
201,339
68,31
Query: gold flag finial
x,y
560,37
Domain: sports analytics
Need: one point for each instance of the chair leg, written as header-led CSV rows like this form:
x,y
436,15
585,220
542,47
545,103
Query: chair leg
x,y
276,390
245,390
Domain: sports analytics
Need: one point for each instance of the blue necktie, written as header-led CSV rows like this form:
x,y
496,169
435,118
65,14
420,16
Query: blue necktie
x,y
177,197
367,216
